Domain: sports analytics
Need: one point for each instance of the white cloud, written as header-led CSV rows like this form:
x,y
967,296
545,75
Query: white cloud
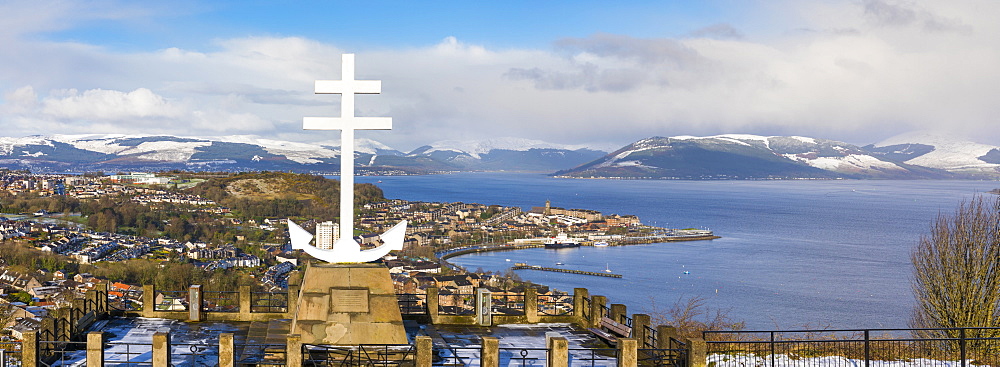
x,y
853,71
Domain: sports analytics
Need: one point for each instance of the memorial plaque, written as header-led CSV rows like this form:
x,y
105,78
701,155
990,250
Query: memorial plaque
x,y
348,300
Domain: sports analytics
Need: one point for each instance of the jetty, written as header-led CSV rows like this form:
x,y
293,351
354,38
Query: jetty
x,y
519,266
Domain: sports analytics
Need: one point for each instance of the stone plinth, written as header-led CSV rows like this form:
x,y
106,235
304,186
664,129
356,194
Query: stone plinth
x,y
348,304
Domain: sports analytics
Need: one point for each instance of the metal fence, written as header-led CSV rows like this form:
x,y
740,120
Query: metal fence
x,y
260,354
586,309
220,301
593,357
673,357
927,347
10,354
61,353
171,301
510,304
125,300
456,304
128,354
361,355
555,305
194,355
524,357
412,303
268,301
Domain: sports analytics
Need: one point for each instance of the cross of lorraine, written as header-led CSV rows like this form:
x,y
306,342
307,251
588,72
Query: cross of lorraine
x,y
346,249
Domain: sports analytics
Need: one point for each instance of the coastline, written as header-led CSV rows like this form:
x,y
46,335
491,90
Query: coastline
x,y
444,255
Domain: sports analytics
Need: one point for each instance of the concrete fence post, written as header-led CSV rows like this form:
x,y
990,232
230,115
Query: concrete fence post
x,y
293,300
195,304
697,352
558,352
432,305
425,351
245,305
489,352
531,305
103,306
596,308
161,350
617,311
628,352
640,322
663,335
227,350
95,349
580,295
293,350
148,300
29,349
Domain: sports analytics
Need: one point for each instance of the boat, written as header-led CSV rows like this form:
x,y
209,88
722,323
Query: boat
x,y
600,244
607,268
561,241
560,264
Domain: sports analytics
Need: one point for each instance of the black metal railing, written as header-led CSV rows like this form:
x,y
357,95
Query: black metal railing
x,y
269,302
171,301
260,354
555,305
220,301
651,337
605,312
510,304
586,308
360,355
456,304
458,356
194,355
412,303
61,353
674,357
523,357
125,300
593,357
128,354
625,320
932,347
10,354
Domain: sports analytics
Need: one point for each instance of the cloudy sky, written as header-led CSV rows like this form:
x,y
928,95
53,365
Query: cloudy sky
x,y
573,72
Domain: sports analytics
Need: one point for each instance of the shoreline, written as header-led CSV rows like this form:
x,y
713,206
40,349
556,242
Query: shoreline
x,y
642,241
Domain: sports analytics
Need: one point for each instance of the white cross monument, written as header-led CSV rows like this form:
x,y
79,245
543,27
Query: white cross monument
x,y
346,250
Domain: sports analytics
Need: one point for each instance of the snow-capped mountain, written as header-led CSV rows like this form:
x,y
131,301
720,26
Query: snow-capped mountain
x,y
244,152
943,152
507,154
738,156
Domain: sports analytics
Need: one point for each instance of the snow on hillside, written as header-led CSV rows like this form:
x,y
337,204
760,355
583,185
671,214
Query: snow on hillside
x,y
477,148
949,153
304,153
7,145
847,163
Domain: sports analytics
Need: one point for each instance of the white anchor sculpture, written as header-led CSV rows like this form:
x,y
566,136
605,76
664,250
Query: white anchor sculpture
x,y
346,250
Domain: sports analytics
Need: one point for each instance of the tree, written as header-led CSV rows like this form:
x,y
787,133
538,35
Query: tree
x,y
956,271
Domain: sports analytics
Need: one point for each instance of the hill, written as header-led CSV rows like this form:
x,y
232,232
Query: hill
x,y
736,156
282,195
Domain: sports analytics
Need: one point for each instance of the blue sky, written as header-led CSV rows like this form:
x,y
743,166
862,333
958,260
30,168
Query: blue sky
x,y
594,73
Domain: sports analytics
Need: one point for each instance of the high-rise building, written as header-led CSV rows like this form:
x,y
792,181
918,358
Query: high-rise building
x,y
326,234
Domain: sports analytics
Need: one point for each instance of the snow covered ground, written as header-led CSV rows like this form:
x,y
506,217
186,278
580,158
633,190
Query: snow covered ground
x,y
729,360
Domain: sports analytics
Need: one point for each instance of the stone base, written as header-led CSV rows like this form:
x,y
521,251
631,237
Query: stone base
x,y
348,304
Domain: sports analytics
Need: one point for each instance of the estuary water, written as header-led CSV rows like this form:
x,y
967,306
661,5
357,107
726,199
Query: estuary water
x,y
793,253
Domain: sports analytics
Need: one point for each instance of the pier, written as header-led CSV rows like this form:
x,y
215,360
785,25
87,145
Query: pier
x,y
519,266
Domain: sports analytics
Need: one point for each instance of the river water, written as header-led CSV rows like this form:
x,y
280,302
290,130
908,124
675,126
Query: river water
x,y
793,253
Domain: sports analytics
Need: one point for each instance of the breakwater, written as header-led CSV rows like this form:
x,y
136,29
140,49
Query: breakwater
x,y
520,266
